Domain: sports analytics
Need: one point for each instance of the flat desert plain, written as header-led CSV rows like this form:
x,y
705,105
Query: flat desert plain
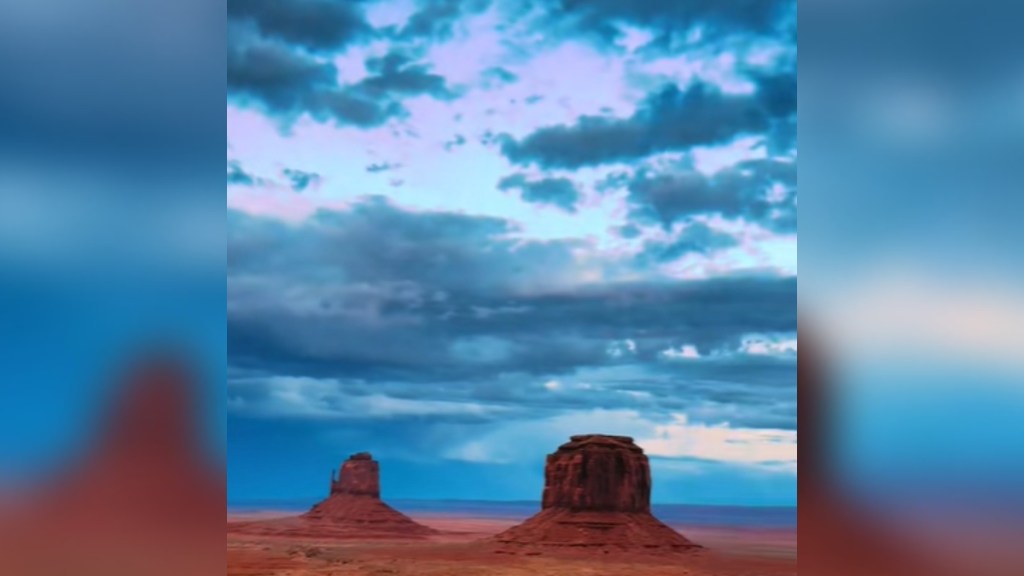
x,y
459,551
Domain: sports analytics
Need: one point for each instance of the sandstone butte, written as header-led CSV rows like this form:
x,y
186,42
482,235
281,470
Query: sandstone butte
x,y
352,510
597,496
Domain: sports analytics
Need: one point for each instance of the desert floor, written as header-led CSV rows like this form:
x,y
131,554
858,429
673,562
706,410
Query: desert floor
x,y
457,552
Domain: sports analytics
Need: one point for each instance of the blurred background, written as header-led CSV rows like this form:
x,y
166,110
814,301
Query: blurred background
x,y
111,252
912,127
911,120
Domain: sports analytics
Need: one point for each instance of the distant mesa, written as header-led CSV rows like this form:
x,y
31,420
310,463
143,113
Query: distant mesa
x,y
352,510
597,495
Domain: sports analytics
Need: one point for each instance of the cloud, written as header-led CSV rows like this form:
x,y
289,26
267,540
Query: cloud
x,y
695,238
328,399
900,311
684,352
454,307
621,348
603,19
382,167
722,443
396,74
312,24
499,75
436,19
281,79
768,346
670,119
288,83
604,266
560,192
300,180
761,191
457,141
675,439
238,176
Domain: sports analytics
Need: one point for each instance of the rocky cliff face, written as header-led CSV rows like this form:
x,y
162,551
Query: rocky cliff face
x,y
360,476
597,496
598,473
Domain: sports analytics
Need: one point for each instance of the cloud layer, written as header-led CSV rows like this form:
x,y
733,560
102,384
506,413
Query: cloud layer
x,y
469,230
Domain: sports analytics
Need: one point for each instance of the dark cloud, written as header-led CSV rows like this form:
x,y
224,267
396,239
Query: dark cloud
x,y
382,167
667,120
601,19
383,295
237,175
762,191
312,24
697,238
351,107
289,83
500,75
397,74
281,79
300,180
560,192
458,140
435,19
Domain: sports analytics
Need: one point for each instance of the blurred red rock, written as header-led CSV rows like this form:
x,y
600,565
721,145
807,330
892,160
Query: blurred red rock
x,y
145,499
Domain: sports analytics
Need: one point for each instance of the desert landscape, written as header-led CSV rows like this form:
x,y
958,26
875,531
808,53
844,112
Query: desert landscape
x,y
527,271
595,519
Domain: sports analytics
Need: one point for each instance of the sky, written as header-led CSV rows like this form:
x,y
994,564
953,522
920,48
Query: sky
x,y
460,232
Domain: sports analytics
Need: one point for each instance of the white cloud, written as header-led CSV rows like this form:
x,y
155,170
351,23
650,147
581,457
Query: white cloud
x,y
908,313
768,346
531,441
722,443
621,348
685,352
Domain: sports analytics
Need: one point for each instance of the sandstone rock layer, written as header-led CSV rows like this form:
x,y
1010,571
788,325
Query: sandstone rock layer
x,y
353,510
597,495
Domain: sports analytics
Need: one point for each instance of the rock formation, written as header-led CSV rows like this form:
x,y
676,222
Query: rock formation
x,y
360,475
143,496
597,494
352,510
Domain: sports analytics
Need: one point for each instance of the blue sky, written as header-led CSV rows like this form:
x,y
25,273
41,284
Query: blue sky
x,y
459,232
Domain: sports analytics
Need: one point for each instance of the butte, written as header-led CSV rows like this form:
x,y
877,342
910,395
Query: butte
x,y
597,496
352,510
143,496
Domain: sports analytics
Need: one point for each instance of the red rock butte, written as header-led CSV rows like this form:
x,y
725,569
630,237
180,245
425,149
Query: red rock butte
x,y
353,510
144,489
597,495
